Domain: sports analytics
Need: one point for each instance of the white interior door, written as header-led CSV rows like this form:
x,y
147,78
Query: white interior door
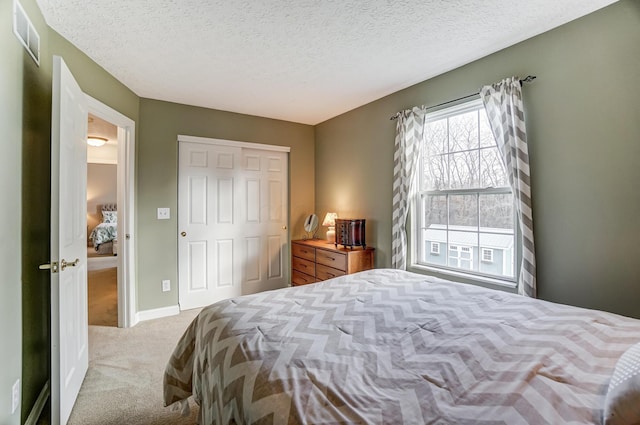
x,y
232,219
69,323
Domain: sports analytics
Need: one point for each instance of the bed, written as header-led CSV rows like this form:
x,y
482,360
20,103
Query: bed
x,y
105,235
392,347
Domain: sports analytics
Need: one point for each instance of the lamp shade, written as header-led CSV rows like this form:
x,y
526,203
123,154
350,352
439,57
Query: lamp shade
x,y
330,219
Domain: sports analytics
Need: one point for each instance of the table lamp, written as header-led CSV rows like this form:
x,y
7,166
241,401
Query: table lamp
x,y
330,222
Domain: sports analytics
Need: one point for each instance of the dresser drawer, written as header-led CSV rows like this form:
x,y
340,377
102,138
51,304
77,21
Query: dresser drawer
x,y
324,272
336,260
308,253
299,278
304,266
315,260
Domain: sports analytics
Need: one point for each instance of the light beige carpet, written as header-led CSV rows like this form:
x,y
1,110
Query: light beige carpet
x,y
124,382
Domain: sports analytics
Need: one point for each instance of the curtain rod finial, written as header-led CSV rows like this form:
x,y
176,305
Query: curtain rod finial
x,y
528,79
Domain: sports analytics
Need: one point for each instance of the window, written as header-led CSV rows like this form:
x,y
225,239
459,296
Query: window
x,y
464,201
435,248
487,255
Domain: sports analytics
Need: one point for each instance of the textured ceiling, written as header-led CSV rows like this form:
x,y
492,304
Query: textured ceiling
x,y
298,60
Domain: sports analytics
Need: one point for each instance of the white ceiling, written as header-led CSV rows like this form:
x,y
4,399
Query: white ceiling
x,y
297,60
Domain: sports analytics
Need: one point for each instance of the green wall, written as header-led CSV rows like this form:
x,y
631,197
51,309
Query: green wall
x,y
160,125
583,122
25,120
36,216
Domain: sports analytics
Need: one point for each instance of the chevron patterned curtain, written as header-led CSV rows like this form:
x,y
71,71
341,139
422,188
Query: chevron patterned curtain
x,y
503,102
409,132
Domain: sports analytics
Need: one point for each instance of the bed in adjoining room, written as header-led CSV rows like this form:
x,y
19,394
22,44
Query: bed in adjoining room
x,y
392,347
104,236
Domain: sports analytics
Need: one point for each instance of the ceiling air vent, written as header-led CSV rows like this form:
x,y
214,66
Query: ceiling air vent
x,y
25,31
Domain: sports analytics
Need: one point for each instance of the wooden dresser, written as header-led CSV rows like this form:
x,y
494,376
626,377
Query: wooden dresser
x,y
314,260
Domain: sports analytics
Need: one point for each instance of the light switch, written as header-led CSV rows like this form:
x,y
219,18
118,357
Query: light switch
x,y
164,214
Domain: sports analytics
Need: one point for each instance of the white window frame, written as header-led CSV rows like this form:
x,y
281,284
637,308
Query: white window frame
x,y
416,239
435,248
490,256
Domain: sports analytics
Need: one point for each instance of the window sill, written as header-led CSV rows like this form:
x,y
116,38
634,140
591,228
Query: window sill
x,y
483,281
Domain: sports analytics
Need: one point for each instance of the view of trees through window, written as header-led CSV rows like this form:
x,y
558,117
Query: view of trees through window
x,y
465,202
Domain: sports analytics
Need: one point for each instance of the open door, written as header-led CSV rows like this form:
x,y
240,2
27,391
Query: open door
x,y
69,328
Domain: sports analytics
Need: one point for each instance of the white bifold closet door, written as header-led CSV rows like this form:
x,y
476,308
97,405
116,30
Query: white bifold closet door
x,y
232,221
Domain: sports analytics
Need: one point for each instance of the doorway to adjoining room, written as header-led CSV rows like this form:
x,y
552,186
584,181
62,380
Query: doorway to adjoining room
x,y
102,222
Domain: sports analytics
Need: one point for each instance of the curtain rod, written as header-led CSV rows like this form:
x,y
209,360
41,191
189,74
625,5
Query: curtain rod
x,y
528,79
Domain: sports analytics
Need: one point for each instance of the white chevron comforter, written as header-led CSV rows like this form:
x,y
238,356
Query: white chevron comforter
x,y
391,347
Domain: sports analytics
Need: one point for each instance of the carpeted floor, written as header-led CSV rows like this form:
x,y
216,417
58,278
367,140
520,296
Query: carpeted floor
x,y
103,297
124,382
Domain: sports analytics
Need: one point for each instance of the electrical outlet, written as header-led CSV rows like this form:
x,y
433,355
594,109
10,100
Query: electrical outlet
x,y
164,213
166,285
15,396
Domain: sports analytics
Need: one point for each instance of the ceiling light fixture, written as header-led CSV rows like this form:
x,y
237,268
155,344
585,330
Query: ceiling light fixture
x,y
96,141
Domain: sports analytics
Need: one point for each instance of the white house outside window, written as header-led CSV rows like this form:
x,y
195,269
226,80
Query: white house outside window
x,y
464,203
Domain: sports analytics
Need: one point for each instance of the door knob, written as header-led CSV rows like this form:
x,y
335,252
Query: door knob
x,y
284,227
183,234
64,264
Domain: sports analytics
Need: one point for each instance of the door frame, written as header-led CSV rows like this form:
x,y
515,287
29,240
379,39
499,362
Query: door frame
x,y
247,145
126,208
234,143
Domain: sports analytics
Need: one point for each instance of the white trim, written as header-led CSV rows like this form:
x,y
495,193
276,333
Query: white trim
x,y
467,277
157,313
458,109
233,143
435,245
38,406
126,208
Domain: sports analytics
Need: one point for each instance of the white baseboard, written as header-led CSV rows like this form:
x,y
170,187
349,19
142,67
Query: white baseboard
x,y
38,406
157,313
